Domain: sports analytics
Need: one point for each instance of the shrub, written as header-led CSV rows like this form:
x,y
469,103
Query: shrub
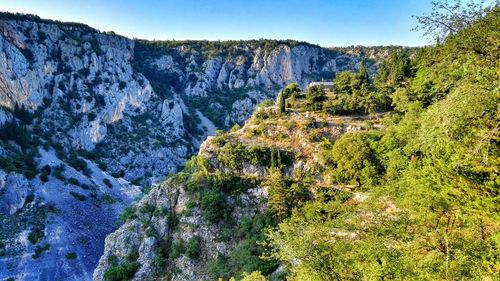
x,y
107,182
213,206
124,271
45,172
178,248
57,172
193,247
78,163
73,181
122,85
78,196
39,251
315,97
30,198
354,160
128,213
284,195
121,272
71,256
235,128
147,209
35,235
265,103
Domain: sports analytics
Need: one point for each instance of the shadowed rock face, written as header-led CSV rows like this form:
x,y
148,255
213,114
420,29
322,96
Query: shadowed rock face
x,y
130,109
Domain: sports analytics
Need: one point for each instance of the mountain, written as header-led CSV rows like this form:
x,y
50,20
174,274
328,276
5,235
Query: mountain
x,y
90,120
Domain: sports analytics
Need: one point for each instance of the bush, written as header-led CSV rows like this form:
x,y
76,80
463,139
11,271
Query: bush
x,y
73,181
235,128
39,251
193,247
71,256
58,172
107,182
122,85
315,97
30,198
265,103
178,248
128,213
45,172
213,206
121,272
78,196
353,160
124,271
78,163
284,195
35,235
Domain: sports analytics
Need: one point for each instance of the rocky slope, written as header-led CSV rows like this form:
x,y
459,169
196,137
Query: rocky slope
x,y
106,114
156,241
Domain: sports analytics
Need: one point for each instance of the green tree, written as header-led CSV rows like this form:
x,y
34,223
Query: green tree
x,y
292,90
282,102
353,160
364,78
284,195
315,97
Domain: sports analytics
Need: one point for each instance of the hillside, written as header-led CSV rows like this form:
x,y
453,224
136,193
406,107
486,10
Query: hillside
x,y
395,180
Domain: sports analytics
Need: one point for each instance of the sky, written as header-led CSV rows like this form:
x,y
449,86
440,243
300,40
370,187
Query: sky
x,y
324,22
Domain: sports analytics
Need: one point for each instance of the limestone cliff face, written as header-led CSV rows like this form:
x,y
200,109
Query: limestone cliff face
x,y
226,85
134,111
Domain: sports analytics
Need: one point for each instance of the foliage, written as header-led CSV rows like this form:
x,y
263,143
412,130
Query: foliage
x,y
39,251
121,272
254,276
78,196
124,271
450,17
265,103
107,182
284,195
433,212
20,158
315,97
36,235
128,213
292,91
353,93
234,155
353,160
246,257
193,247
282,102
214,206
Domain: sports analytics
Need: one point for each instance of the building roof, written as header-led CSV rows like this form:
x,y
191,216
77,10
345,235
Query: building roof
x,y
321,83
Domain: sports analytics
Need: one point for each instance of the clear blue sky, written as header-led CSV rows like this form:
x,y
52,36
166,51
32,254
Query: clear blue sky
x,y
323,22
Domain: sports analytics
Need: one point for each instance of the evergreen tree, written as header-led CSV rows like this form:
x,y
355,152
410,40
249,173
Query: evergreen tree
x,y
282,102
364,78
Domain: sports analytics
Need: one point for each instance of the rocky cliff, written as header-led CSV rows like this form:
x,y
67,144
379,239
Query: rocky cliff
x,y
90,118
